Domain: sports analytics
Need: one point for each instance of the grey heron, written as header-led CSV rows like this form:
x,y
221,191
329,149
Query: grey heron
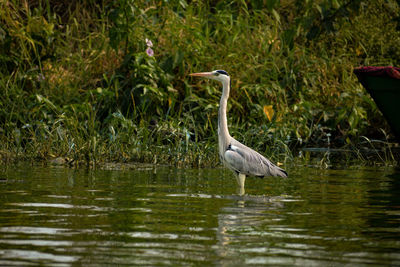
x,y
237,157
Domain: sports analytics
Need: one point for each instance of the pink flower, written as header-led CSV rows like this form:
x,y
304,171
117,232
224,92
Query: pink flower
x,y
149,43
149,52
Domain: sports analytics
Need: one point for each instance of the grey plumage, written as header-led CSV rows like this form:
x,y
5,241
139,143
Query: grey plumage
x,y
241,159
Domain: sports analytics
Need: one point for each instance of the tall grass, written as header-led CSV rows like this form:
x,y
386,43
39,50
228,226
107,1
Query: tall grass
x,y
78,84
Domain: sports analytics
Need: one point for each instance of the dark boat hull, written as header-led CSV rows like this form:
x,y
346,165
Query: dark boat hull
x,y
383,84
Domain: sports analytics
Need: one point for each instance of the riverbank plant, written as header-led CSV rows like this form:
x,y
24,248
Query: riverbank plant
x,y
104,81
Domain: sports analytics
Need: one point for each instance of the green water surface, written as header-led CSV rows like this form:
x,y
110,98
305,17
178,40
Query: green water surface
x,y
166,216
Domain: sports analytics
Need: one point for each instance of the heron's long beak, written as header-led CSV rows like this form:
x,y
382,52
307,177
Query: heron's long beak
x,y
202,74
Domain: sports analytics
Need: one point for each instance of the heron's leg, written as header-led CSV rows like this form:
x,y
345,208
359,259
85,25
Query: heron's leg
x,y
240,178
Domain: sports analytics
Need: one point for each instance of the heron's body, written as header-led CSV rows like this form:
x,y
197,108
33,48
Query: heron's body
x,y
241,159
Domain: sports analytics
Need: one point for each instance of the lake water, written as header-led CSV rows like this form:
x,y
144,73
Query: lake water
x,y
166,216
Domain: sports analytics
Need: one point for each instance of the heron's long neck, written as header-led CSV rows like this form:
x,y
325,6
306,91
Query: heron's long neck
x,y
223,132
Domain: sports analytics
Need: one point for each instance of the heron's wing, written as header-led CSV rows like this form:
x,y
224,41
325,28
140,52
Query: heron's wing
x,y
245,160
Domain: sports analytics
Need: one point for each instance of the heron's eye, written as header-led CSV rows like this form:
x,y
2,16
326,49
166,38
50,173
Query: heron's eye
x,y
216,74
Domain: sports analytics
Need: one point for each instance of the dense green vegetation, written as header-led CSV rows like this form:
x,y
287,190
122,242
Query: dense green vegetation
x,y
77,80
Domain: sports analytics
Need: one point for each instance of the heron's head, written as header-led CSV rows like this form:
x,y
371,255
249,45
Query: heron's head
x,y
219,75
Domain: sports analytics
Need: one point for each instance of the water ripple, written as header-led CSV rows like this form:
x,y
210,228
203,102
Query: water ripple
x,y
193,218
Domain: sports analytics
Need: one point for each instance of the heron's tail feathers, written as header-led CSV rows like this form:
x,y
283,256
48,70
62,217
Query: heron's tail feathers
x,y
279,172
282,173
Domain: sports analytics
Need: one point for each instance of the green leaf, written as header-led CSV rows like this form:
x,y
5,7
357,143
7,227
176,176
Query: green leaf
x,y
276,16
